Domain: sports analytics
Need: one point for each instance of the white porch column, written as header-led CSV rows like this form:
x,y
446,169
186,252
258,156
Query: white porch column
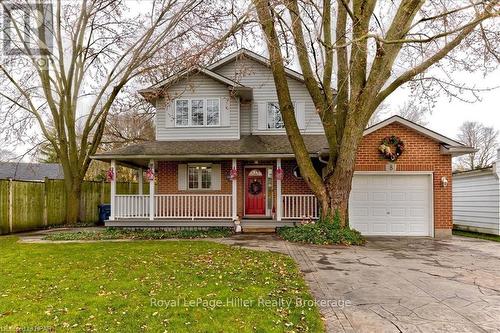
x,y
279,199
113,191
152,192
140,180
234,196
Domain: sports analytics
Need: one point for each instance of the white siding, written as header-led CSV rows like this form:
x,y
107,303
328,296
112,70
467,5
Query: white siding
x,y
197,86
257,76
476,201
245,117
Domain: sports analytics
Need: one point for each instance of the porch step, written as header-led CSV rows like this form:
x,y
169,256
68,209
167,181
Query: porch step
x,y
250,230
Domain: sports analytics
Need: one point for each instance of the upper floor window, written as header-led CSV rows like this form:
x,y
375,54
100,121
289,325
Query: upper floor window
x,y
199,177
182,112
213,112
274,119
197,112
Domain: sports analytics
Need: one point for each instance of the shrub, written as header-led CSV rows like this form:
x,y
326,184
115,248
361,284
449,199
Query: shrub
x,y
326,230
118,233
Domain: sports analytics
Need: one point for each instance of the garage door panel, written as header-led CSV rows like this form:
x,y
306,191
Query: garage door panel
x,y
398,212
379,196
418,228
398,196
417,212
418,196
359,212
362,228
378,181
399,228
391,205
379,227
379,211
360,196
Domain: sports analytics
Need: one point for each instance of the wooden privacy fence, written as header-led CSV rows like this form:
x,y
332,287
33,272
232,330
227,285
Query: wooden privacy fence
x,y
29,205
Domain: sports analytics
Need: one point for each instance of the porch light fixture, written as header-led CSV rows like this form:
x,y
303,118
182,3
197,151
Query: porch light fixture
x,y
444,181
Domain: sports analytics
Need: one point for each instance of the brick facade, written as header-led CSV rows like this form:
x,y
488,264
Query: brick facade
x,y
421,154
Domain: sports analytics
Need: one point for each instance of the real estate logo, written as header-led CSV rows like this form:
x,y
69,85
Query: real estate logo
x,y
27,28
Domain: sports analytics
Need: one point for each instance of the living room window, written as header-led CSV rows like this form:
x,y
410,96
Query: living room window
x,y
199,177
197,112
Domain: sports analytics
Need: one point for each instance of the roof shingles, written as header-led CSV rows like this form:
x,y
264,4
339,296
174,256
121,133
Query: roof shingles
x,y
247,145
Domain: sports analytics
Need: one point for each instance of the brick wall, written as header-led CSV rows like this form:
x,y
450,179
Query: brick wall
x,y
167,178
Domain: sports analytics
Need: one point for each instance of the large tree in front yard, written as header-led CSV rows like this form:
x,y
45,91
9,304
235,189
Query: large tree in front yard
x,y
355,53
65,67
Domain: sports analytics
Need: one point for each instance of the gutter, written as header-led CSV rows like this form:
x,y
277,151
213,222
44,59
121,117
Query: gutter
x,y
192,156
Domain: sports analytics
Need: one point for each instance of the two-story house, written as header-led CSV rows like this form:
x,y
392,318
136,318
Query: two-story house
x,y
221,154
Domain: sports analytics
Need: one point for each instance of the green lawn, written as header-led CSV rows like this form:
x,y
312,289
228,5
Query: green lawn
x,y
479,235
146,286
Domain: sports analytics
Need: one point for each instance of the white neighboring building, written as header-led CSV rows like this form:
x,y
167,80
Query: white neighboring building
x,y
476,199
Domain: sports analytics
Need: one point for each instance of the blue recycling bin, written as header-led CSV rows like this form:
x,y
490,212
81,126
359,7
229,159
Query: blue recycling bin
x,y
104,212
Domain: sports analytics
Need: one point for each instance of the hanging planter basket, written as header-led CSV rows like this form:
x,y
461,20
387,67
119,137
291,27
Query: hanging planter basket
x,y
150,174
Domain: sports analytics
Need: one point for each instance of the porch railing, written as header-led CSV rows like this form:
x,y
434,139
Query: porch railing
x,y
132,206
299,206
175,206
193,205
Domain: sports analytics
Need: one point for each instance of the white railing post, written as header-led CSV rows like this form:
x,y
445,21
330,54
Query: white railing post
x,y
140,180
234,191
113,191
298,206
152,192
279,198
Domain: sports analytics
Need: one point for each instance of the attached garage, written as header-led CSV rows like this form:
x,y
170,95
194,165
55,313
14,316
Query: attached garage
x,y
392,204
410,195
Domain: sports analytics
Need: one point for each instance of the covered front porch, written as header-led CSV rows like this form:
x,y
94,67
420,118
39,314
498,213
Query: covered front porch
x,y
249,191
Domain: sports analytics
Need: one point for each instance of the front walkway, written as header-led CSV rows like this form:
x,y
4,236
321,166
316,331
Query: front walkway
x,y
399,284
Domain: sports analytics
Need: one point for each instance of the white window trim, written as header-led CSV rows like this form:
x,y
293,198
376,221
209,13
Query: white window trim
x,y
208,165
267,117
205,112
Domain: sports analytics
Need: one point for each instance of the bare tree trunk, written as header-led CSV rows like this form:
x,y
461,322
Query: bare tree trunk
x,y
73,190
338,190
339,182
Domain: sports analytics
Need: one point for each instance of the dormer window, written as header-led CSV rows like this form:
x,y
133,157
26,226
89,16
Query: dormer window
x,y
197,112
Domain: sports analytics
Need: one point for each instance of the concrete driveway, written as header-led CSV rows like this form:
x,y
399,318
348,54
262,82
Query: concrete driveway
x,y
400,284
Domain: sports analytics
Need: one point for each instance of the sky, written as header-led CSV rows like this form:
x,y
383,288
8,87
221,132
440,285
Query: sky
x,y
448,114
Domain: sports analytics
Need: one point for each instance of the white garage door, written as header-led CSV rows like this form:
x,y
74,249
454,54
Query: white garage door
x,y
397,205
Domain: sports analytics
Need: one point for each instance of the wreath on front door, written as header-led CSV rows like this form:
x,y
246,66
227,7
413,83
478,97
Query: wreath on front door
x,y
386,144
255,188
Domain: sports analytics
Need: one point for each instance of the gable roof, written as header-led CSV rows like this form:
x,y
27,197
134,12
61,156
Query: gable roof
x,y
448,146
30,171
419,128
209,71
216,76
256,57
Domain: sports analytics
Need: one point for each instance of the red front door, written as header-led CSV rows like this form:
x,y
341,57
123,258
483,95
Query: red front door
x,y
255,192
